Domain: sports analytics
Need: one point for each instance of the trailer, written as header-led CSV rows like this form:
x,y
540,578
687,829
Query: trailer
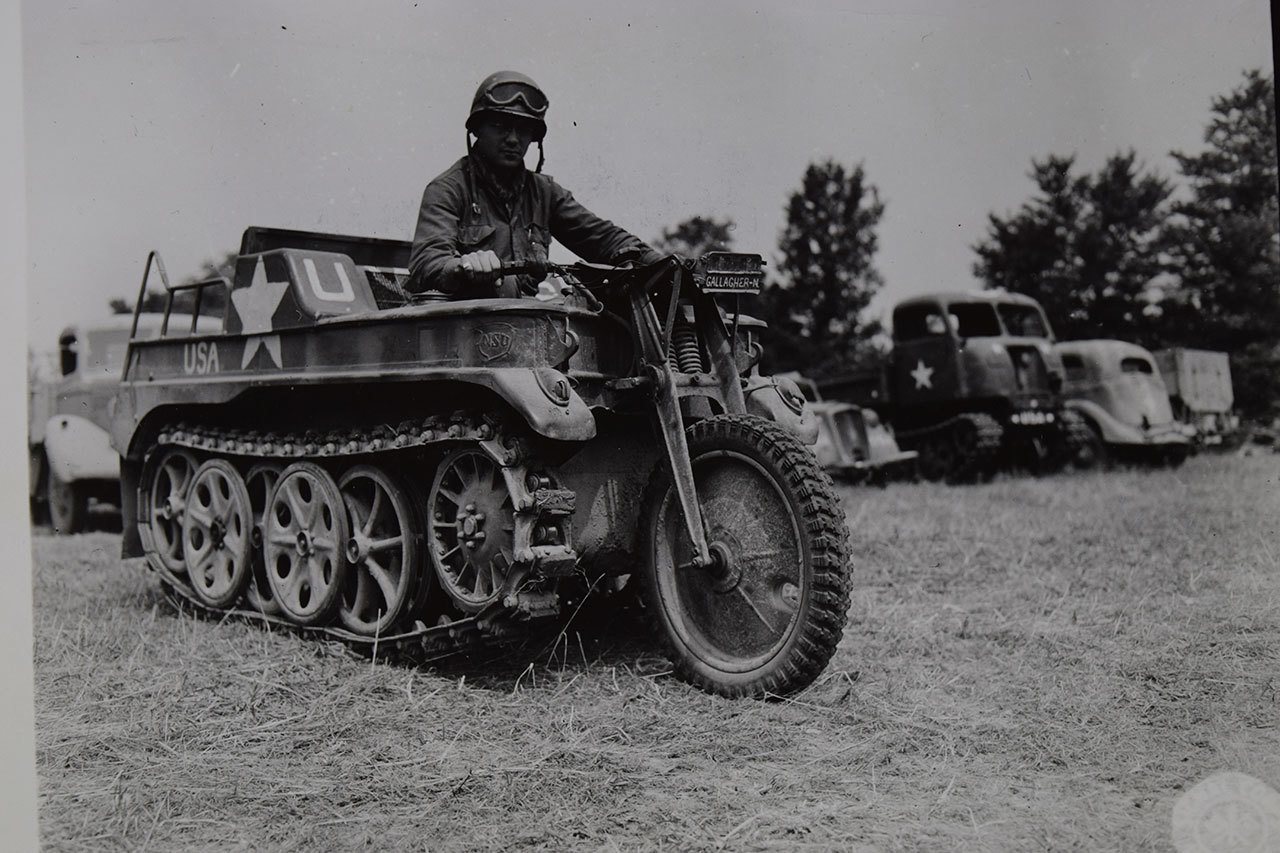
x,y
1200,392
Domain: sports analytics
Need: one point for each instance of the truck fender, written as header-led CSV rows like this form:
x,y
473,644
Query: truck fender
x,y
545,398
78,449
780,400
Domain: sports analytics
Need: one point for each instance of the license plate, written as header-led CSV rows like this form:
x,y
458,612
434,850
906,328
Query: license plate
x,y
731,272
1032,418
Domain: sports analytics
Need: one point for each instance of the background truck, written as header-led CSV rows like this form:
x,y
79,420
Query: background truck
x,y
972,384
70,458
1199,383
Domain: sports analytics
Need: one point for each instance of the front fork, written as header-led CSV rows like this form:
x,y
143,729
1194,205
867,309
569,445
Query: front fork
x,y
653,344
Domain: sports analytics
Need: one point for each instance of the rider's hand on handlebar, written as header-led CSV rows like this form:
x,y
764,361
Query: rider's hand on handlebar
x,y
480,267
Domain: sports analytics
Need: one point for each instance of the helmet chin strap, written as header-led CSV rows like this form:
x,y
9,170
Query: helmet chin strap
x,y
542,158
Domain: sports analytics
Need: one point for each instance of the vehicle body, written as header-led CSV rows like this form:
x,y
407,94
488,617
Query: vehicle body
x,y
972,384
1116,388
853,445
70,457
420,470
1200,392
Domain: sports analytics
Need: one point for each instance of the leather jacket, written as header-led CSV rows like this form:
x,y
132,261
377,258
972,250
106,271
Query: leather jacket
x,y
462,213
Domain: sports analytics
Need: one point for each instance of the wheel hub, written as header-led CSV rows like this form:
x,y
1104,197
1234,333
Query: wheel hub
x,y
470,524
725,574
172,508
357,548
303,543
218,533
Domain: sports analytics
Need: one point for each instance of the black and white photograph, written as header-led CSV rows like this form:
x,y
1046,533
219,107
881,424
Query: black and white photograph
x,y
665,426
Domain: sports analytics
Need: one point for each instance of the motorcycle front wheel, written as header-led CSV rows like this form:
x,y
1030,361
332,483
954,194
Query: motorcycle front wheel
x,y
765,618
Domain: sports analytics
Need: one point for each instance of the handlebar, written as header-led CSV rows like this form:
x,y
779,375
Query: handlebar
x,y
579,268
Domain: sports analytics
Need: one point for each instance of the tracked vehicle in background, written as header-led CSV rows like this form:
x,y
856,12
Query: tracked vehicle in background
x,y
351,460
973,384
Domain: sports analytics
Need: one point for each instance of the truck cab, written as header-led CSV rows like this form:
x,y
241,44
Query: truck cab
x,y
70,458
974,351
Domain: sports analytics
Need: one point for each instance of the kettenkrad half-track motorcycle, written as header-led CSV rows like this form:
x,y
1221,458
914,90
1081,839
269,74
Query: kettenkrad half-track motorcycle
x,y
397,469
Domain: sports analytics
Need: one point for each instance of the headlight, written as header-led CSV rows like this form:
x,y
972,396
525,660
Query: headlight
x,y
789,391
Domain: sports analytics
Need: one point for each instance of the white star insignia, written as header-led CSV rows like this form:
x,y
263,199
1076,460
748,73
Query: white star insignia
x,y
256,304
922,375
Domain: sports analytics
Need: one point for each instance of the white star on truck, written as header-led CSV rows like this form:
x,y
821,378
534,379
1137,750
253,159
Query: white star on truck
x,y
923,375
256,304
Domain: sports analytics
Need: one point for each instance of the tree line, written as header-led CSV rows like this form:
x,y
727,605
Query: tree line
x,y
1123,252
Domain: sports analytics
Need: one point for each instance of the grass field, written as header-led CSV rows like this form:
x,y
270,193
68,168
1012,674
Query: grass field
x,y
1029,665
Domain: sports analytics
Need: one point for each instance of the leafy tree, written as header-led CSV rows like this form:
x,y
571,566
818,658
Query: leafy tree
x,y
696,236
827,274
1224,243
1087,247
212,302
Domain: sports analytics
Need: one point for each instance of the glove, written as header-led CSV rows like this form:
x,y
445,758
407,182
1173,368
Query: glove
x,y
479,267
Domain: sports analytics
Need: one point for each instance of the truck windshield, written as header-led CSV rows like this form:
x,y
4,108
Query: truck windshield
x,y
1023,320
107,348
975,320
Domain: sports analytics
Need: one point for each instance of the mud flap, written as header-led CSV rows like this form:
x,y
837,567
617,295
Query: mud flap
x,y
130,541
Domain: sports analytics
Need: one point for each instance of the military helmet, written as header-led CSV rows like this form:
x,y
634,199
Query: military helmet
x,y
512,93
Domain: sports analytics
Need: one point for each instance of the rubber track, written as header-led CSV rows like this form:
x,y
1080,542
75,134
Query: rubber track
x,y
990,440
823,521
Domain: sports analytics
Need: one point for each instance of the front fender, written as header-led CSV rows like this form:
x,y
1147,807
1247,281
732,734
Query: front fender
x,y
1116,431
79,449
765,400
544,397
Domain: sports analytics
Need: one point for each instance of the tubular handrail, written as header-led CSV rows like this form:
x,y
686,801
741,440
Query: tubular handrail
x,y
154,259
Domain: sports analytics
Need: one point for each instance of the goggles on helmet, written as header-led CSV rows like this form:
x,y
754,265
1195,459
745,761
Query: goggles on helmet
x,y
508,94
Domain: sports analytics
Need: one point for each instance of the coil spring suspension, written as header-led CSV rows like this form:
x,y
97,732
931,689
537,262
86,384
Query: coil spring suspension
x,y
686,353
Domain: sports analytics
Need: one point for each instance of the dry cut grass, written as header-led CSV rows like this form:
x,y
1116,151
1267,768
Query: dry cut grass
x,y
1030,665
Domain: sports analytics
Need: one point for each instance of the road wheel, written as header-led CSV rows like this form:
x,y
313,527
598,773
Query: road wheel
x,y
472,528
305,534
161,502
259,482
217,536
383,551
765,618
68,504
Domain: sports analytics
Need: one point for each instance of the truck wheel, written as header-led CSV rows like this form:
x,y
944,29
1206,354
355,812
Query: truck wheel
x,y
1173,457
765,618
39,495
1085,448
68,505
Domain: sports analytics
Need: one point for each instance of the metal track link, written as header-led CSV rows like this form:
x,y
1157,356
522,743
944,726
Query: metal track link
x,y
432,641
328,444
982,454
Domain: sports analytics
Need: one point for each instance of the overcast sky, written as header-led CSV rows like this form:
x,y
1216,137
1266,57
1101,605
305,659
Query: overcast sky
x,y
174,125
